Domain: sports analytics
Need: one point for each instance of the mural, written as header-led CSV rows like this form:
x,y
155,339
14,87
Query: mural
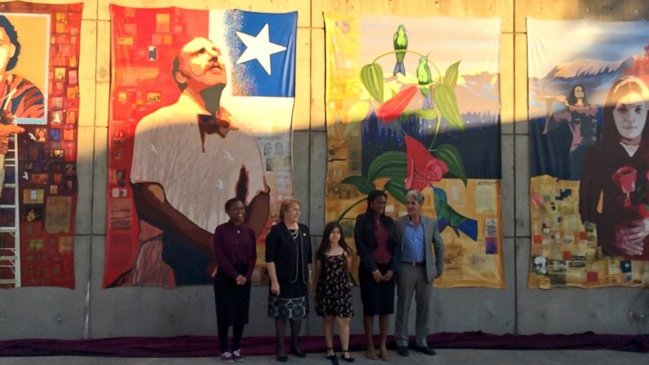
x,y
589,153
407,109
201,108
39,108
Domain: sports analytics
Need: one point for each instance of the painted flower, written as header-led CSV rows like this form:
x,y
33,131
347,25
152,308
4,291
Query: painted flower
x,y
389,111
643,210
625,178
423,168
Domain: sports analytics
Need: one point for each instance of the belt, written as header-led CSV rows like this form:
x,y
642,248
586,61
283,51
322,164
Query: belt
x,y
413,263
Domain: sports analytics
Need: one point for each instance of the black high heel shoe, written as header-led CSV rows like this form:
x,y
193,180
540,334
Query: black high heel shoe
x,y
345,355
295,350
281,355
330,353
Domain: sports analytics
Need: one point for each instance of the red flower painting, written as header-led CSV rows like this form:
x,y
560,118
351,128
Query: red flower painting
x,y
423,169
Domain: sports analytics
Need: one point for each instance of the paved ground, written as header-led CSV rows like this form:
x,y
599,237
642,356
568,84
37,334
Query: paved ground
x,y
445,357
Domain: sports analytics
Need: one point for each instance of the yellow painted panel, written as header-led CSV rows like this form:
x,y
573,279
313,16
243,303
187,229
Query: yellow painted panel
x,y
303,7
318,80
33,35
89,7
580,9
102,74
103,51
549,9
417,8
87,72
302,108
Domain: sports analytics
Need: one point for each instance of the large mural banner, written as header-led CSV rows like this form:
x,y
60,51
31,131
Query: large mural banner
x,y
589,153
39,109
201,109
408,108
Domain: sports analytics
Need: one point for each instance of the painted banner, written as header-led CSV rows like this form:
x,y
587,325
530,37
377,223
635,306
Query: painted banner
x,y
408,108
589,153
39,110
201,109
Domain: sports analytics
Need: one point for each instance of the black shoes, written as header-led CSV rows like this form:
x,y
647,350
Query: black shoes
x,y
403,351
295,350
346,356
281,355
426,350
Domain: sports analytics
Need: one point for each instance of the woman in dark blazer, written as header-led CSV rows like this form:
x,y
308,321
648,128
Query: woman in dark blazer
x,y
288,260
377,243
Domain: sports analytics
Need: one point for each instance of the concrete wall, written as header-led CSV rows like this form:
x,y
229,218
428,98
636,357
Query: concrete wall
x,y
91,312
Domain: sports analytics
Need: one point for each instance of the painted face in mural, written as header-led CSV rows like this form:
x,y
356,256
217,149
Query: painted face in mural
x,y
579,92
200,65
7,50
413,206
630,116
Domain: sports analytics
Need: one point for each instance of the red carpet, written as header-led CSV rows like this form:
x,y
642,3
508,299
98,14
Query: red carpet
x,y
206,346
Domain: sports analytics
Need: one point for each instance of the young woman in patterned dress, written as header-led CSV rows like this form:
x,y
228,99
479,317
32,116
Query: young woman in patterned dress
x,y
333,299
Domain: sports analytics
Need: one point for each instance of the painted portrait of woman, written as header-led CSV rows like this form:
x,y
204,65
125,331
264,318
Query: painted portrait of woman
x,y
580,117
614,185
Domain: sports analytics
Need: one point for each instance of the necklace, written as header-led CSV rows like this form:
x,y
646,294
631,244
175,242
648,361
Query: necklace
x,y
294,235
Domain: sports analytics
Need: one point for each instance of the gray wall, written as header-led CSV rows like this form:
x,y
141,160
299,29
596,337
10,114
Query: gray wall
x,y
89,311
92,312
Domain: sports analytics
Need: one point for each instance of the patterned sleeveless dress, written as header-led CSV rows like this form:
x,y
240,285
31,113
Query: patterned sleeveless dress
x,y
333,295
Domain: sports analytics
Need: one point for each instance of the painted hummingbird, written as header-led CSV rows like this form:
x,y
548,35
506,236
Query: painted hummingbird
x,y
424,79
447,216
400,42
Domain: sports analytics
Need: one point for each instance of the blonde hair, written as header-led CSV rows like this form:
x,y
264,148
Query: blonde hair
x,y
286,205
629,84
622,87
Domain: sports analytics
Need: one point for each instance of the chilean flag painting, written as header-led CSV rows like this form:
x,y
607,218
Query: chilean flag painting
x,y
201,106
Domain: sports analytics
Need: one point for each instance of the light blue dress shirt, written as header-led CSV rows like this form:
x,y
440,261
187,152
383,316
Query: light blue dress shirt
x,y
413,243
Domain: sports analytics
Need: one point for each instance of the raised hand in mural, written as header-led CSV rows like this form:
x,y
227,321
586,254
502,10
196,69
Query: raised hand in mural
x,y
258,209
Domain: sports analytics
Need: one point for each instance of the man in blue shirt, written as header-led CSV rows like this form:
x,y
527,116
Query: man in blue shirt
x,y
422,261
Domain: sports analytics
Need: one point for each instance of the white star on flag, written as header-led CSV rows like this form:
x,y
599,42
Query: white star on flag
x,y
259,48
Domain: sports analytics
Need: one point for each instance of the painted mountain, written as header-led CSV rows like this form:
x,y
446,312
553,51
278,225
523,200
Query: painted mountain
x,y
596,77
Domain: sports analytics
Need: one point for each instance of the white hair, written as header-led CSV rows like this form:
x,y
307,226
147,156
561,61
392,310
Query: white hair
x,y
417,195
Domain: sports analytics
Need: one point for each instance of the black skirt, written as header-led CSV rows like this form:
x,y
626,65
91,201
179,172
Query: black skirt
x,y
377,298
232,300
292,302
